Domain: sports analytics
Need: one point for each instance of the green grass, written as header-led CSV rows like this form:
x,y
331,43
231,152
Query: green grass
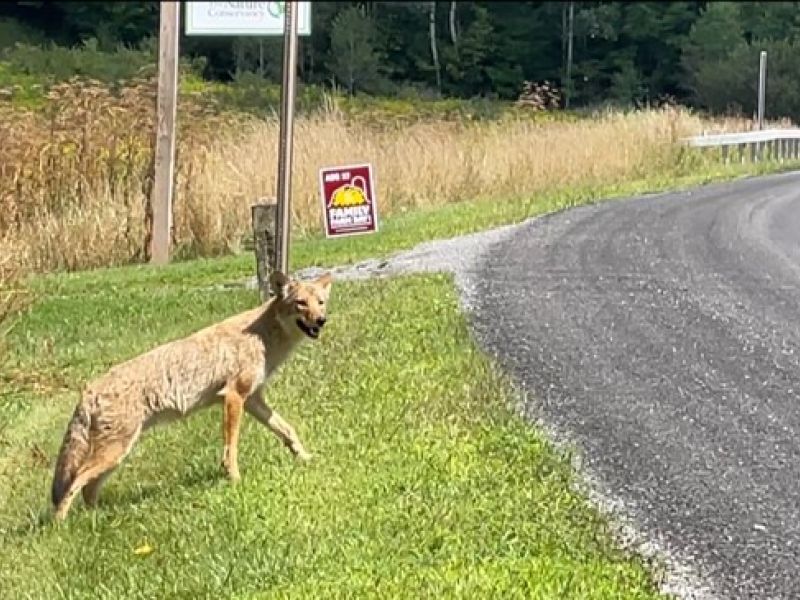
x,y
425,483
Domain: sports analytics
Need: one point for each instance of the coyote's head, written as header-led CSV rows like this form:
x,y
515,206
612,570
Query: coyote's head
x,y
302,305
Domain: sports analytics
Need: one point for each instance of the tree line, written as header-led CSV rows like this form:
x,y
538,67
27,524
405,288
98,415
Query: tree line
x,y
700,53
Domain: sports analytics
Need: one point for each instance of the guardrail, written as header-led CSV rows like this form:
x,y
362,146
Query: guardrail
x,y
767,144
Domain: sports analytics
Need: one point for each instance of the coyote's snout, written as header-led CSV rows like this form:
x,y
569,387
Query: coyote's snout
x,y
227,363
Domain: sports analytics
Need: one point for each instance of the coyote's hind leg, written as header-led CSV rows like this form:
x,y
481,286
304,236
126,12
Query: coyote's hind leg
x,y
106,455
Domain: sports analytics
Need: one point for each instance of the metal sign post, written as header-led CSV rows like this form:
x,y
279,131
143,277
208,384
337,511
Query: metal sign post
x,y
285,146
289,19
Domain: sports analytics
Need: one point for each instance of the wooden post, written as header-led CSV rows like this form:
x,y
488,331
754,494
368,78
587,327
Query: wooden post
x,y
161,201
264,216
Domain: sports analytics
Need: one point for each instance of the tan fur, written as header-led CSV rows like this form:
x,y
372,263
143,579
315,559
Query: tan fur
x,y
228,363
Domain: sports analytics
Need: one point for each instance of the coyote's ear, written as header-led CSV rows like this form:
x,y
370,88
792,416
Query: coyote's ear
x,y
278,282
325,281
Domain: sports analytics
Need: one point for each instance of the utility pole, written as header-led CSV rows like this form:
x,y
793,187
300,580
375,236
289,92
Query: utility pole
x,y
762,87
285,145
434,49
161,200
453,35
570,32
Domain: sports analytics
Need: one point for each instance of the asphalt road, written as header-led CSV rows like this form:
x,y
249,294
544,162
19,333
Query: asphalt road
x,y
662,335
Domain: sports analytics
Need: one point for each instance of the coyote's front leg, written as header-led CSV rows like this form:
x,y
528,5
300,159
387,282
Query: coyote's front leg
x,y
231,422
256,406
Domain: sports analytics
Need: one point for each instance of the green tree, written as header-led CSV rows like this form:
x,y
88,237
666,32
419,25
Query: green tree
x,y
626,48
783,66
721,57
716,36
467,63
770,21
355,59
731,83
627,83
715,33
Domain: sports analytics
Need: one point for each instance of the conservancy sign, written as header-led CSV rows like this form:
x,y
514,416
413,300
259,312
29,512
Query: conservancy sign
x,y
243,18
348,200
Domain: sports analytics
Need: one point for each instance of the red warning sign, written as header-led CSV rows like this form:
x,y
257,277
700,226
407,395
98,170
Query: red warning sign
x,y
348,200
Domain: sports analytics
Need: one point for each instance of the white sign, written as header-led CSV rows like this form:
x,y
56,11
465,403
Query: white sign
x,y
243,18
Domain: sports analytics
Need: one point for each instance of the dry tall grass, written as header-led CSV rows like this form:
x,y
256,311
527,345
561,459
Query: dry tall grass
x,y
74,180
13,297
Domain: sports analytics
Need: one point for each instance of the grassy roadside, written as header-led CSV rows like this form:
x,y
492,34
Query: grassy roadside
x,y
424,482
425,485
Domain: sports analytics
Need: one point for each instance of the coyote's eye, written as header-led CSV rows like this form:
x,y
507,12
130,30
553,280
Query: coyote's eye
x,y
321,302
301,303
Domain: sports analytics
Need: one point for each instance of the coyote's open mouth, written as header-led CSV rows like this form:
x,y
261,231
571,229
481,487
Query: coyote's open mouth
x,y
310,331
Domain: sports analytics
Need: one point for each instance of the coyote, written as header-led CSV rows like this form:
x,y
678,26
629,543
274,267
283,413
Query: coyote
x,y
228,363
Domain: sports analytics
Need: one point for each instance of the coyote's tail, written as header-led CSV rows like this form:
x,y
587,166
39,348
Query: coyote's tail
x,y
74,449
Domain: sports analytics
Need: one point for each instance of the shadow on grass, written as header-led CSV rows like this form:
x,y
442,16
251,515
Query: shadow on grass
x,y
118,499
123,496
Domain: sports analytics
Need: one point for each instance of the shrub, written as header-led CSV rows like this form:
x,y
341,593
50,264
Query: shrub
x,y
59,63
13,32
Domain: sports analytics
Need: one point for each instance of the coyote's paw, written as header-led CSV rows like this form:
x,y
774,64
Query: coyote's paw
x,y
232,473
303,456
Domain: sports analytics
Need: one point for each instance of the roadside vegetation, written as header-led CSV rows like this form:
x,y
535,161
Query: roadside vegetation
x,y
426,482
76,172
